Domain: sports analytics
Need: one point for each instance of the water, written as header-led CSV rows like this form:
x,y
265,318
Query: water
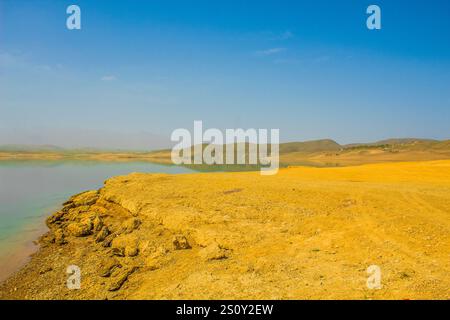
x,y
32,190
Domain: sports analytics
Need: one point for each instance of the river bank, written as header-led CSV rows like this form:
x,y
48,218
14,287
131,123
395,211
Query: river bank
x,y
31,190
19,250
306,233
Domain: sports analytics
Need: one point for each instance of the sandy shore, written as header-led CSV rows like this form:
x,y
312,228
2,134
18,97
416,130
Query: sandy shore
x,y
18,250
306,233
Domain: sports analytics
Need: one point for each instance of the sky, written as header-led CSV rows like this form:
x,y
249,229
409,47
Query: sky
x,y
137,70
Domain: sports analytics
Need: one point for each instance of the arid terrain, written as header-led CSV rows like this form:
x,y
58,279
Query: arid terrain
x,y
305,233
311,153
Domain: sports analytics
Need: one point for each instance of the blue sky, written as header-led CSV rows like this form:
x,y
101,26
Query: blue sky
x,y
137,70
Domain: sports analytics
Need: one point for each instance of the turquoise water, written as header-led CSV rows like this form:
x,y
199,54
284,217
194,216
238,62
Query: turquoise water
x,y
32,190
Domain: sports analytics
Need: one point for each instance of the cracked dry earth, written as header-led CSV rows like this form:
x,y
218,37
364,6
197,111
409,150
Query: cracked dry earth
x,y
305,233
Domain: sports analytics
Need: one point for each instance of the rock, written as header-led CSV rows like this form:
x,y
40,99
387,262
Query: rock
x,y
87,222
75,213
59,237
144,245
101,236
131,251
108,240
97,224
120,279
46,239
107,267
118,251
180,242
213,252
45,270
85,199
160,252
154,261
79,229
54,218
130,225
128,244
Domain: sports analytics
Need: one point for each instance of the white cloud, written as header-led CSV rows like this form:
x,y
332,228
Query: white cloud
x,y
109,78
286,35
281,36
269,52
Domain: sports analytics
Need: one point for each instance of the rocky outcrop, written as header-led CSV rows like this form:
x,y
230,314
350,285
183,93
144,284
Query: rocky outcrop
x,y
111,227
108,239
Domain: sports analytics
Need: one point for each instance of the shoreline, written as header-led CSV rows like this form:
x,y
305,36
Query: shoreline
x,y
15,258
344,157
24,226
196,237
105,157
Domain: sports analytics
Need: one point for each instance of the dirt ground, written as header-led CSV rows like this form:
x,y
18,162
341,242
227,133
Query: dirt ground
x,y
305,233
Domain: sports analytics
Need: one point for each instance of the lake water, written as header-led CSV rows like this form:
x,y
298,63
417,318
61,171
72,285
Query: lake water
x,y
32,190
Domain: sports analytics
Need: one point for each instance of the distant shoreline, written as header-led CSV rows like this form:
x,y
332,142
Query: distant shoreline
x,y
4,156
321,153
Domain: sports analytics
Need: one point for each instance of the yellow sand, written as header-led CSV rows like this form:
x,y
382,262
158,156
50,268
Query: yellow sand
x,y
305,233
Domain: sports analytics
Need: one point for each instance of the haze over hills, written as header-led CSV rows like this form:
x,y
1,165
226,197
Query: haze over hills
x,y
58,149
30,148
311,146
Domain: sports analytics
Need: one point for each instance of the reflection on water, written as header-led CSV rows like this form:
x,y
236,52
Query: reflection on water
x,y
31,190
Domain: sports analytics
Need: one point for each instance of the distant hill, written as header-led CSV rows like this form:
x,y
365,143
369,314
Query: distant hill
x,y
310,146
404,141
390,142
442,145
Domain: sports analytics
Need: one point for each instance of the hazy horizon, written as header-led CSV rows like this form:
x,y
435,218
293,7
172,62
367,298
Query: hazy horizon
x,y
159,143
